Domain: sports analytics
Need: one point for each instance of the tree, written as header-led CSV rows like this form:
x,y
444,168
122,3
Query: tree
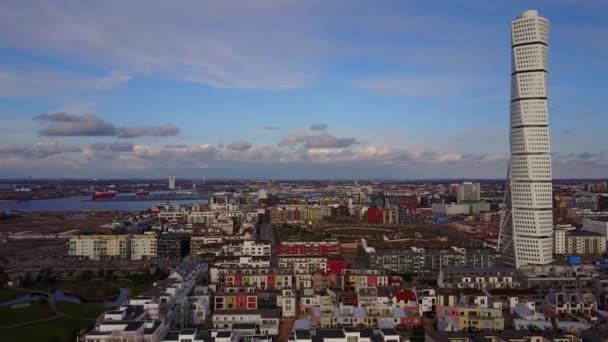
x,y
86,275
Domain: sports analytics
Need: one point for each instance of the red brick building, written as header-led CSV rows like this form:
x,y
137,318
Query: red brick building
x,y
375,215
308,248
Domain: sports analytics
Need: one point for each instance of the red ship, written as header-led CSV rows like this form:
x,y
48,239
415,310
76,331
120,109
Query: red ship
x,y
142,193
102,194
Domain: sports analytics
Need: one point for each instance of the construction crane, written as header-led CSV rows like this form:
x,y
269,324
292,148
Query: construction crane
x,y
507,205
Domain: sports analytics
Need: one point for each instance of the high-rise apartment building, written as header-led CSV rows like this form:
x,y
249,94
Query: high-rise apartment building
x,y
171,182
468,192
527,237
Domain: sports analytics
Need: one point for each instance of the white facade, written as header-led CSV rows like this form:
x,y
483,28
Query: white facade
x,y
559,241
171,182
451,209
531,222
596,226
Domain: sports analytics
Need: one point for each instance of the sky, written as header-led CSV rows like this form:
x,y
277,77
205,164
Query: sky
x,y
280,89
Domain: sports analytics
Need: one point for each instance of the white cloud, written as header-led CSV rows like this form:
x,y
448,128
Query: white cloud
x,y
48,83
207,42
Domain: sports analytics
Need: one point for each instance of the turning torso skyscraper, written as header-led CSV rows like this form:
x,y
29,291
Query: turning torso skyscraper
x,y
528,235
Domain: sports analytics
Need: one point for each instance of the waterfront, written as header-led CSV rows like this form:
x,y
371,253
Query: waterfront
x,y
80,203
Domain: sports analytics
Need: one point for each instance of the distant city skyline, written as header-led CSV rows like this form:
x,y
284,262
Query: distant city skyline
x,y
286,90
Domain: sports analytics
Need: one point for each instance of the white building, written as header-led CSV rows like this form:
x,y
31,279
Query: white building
x,y
528,236
596,225
451,209
468,192
559,240
143,247
171,182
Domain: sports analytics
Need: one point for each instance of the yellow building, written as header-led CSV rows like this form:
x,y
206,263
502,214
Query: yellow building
x,y
480,318
97,247
143,247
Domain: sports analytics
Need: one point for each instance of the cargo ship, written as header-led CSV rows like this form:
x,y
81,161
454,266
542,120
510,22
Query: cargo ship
x,y
102,194
142,193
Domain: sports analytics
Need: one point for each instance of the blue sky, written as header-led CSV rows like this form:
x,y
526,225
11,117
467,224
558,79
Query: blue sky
x,y
288,89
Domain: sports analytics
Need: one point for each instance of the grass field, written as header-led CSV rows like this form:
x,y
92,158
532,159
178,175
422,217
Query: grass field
x,y
35,310
81,310
295,233
10,294
58,330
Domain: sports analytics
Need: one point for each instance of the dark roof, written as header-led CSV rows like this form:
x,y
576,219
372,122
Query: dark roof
x,y
243,326
390,332
224,334
584,233
303,334
330,333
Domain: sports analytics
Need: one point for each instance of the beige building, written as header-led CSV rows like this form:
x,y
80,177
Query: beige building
x,y
143,247
97,247
584,242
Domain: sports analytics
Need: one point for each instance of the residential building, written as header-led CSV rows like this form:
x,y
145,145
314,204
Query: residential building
x,y
172,246
597,225
375,215
503,336
528,233
479,278
427,261
303,263
346,334
581,242
450,209
99,247
468,192
267,320
308,247
559,303
143,247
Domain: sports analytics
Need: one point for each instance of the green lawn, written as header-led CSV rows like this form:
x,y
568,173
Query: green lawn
x,y
10,294
59,330
81,310
295,233
135,287
34,311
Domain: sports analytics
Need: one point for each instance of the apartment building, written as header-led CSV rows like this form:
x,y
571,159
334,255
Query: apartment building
x,y
428,262
503,336
172,246
266,320
354,278
303,263
581,242
240,299
308,247
558,303
221,264
143,247
479,278
99,247
259,278
347,334
149,317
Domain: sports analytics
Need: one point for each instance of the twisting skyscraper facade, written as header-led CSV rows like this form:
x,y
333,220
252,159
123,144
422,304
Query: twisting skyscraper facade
x,y
527,237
